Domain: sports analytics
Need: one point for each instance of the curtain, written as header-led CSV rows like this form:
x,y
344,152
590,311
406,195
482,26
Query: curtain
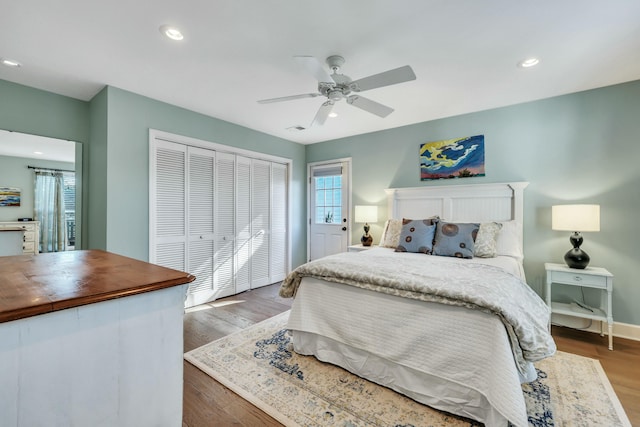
x,y
49,210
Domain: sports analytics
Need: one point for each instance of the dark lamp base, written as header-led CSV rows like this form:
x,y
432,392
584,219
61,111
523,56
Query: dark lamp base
x,y
366,240
577,258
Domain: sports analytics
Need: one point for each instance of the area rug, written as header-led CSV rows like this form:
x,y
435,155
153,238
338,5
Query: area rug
x,y
257,363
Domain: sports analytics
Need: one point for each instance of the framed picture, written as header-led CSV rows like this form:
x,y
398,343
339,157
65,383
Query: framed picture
x,y
9,196
452,158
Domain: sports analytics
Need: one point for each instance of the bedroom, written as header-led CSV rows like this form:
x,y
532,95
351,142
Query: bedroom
x,y
580,146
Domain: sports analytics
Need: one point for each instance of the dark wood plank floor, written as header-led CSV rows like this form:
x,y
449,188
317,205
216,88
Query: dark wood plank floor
x,y
207,403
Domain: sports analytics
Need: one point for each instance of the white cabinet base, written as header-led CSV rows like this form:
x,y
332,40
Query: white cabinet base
x,y
112,363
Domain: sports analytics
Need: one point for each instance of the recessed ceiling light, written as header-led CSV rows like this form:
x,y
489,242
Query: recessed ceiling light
x,y
10,62
332,114
38,152
529,62
172,32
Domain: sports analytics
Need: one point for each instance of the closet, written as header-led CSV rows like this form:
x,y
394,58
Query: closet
x,y
218,213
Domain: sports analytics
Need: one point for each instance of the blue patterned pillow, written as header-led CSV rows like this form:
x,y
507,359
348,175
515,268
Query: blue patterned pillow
x,y
416,236
455,239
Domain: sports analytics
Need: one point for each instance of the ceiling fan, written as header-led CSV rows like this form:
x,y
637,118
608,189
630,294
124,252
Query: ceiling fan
x,y
338,86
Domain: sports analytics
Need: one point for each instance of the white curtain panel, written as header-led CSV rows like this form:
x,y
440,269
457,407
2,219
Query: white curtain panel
x,y
49,210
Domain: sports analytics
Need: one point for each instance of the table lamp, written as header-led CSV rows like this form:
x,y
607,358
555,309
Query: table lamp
x,y
366,214
576,218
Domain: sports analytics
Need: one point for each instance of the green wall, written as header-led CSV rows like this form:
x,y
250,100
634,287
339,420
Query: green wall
x,y
130,117
37,112
578,148
28,110
574,148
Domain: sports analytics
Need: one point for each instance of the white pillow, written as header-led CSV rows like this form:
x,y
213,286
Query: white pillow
x,y
391,233
486,244
509,242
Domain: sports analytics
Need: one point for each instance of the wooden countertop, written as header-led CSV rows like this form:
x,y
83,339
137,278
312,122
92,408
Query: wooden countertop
x,y
38,284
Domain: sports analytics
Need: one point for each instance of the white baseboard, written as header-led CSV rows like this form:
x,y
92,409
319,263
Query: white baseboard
x,y
620,330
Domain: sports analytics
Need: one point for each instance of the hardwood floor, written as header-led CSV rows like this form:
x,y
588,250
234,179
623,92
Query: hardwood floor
x,y
207,403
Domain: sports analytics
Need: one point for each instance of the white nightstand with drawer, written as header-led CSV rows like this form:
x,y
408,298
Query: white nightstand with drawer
x,y
590,277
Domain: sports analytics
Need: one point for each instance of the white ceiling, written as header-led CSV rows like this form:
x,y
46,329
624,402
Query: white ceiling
x,y
16,144
235,52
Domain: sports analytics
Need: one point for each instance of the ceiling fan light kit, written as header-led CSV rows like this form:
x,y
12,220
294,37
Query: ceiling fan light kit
x,y
337,86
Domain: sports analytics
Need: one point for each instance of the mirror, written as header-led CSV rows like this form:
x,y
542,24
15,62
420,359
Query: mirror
x,y
21,155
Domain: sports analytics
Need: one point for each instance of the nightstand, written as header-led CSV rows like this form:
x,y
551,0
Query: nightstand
x,y
590,277
358,248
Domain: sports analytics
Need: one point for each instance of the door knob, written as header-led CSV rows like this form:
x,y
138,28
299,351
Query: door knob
x,y
344,228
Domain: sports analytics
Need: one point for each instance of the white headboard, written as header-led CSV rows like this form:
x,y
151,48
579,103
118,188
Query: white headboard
x,y
461,203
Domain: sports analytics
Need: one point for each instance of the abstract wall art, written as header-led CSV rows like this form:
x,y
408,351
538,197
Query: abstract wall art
x,y
9,196
452,158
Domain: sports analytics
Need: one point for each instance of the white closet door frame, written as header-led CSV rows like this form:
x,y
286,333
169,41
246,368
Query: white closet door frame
x,y
157,136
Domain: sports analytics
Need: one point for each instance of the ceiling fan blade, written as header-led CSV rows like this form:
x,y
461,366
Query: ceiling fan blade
x,y
288,98
391,77
322,114
372,107
313,66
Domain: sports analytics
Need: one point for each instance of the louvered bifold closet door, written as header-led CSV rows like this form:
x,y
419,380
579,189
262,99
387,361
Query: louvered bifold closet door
x,y
224,244
167,227
260,222
279,238
243,223
200,231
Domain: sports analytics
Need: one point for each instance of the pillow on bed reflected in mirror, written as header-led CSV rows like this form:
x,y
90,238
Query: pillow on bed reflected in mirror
x,y
416,236
455,239
486,244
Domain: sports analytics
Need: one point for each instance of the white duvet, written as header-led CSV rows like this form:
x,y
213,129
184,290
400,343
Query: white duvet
x,y
451,358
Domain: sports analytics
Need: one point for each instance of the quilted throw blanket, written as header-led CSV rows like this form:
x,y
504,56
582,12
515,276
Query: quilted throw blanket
x,y
431,278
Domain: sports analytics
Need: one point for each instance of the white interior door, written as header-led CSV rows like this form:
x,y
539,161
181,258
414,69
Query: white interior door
x,y
243,224
329,191
260,222
200,236
223,216
167,187
279,235
224,220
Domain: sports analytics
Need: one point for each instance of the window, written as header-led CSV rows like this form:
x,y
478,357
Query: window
x,y
328,197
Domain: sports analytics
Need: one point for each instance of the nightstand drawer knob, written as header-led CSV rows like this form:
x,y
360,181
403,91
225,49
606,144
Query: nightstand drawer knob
x,y
577,278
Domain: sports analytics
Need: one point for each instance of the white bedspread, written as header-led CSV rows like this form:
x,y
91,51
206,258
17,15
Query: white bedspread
x,y
437,279
451,358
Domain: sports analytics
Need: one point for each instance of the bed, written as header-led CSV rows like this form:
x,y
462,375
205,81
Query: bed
x,y
408,321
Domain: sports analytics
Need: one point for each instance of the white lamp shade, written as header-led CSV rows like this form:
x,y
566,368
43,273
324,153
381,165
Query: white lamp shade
x,y
366,213
575,217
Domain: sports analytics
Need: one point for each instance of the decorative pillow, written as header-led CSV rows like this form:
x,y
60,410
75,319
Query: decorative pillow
x,y
486,245
455,239
509,242
416,236
391,233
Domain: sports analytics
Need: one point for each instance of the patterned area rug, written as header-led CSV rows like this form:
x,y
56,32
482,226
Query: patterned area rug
x,y
258,364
